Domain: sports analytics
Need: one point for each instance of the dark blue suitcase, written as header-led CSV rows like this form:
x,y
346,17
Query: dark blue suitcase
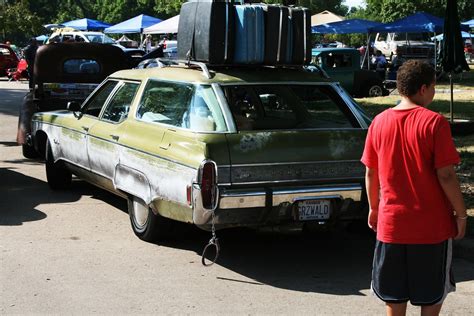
x,y
249,34
206,31
301,24
276,34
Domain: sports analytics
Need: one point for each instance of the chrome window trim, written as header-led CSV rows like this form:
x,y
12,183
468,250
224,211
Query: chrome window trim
x,y
225,109
113,94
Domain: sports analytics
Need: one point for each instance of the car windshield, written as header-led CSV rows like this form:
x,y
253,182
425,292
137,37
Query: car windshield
x,y
100,38
422,37
280,107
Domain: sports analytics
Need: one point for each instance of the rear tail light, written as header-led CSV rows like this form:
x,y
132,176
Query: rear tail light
x,y
164,45
208,183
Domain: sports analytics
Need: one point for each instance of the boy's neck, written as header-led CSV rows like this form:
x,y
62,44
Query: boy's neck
x,y
408,103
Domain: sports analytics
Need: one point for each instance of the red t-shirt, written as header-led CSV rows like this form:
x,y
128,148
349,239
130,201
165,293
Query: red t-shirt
x,y
407,146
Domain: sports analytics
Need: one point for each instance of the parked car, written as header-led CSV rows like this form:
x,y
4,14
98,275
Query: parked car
x,y
410,45
8,59
66,72
344,66
67,34
254,147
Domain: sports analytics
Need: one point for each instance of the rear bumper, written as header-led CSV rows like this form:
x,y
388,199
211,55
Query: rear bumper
x,y
272,206
243,198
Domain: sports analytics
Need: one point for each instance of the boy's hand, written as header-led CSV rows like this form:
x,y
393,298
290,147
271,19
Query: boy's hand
x,y
461,226
372,221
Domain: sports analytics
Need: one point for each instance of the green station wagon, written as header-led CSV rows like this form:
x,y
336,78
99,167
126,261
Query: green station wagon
x,y
253,147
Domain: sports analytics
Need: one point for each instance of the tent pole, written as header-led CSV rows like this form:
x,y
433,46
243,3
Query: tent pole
x,y
435,54
452,98
367,51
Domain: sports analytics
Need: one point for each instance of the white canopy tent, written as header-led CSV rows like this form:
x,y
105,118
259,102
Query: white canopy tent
x,y
169,26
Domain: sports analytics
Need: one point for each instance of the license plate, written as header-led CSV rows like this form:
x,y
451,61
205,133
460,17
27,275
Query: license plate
x,y
309,210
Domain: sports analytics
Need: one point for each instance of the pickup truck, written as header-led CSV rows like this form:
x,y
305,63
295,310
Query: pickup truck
x,y
343,65
410,45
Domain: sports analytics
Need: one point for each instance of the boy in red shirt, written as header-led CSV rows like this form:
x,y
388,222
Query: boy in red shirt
x,y
415,202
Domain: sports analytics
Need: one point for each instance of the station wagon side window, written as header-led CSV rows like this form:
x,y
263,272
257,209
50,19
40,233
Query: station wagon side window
x,y
119,106
165,102
96,102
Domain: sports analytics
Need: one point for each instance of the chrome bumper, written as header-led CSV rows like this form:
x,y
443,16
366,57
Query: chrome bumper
x,y
242,207
242,198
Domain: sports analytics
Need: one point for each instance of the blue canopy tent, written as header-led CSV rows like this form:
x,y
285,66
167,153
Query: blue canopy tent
x,y
86,24
415,23
463,35
42,38
348,27
133,25
469,23
345,27
418,22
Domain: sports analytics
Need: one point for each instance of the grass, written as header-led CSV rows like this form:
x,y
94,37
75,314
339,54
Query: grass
x,y
463,109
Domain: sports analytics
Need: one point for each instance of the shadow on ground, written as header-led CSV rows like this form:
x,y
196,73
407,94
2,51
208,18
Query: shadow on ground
x,y
11,101
16,187
336,263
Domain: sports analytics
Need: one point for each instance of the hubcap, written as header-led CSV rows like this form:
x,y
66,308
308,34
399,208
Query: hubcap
x,y
375,91
140,213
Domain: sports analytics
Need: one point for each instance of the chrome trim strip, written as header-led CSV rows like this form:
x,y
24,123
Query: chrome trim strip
x,y
296,181
276,83
286,163
232,199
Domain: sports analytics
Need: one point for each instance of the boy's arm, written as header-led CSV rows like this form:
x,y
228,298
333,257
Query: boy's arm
x,y
372,187
449,182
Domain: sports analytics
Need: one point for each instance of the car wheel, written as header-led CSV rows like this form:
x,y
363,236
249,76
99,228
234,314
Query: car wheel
x,y
147,225
58,176
29,151
374,90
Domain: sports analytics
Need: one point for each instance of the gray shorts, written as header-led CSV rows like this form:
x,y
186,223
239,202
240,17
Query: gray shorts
x,y
417,273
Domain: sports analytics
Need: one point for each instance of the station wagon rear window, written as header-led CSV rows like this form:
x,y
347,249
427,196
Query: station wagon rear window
x,y
279,107
81,66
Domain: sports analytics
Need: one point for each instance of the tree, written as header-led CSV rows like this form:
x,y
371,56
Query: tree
x,y
391,10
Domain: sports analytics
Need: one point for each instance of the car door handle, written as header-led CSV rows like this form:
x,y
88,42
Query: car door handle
x,y
115,137
85,128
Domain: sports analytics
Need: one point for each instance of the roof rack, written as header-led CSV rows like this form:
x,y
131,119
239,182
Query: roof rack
x,y
165,62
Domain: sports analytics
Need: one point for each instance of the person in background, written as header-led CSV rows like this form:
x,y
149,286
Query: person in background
x,y
147,43
397,60
415,201
30,55
380,64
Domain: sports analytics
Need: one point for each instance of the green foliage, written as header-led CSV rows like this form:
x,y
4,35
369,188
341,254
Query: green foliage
x,y
167,7
391,10
317,6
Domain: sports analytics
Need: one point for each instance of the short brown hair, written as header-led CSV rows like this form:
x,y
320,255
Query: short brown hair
x,y
412,75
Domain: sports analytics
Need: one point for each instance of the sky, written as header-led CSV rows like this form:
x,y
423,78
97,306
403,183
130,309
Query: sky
x,y
354,3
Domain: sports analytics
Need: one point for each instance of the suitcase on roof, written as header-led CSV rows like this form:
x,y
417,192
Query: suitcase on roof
x,y
301,25
206,31
249,34
277,35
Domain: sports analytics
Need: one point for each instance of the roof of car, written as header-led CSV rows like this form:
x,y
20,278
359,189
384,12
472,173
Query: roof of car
x,y
316,51
221,75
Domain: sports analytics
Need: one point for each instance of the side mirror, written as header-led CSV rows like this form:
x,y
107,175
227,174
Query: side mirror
x,y
73,106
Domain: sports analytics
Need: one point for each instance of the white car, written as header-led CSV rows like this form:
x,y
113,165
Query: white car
x,y
70,34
